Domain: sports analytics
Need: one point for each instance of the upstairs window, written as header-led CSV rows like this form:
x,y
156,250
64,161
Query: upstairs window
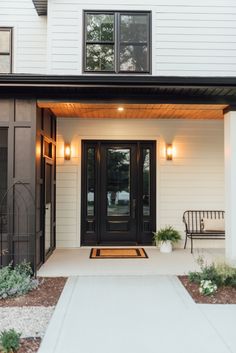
x,y
117,42
5,50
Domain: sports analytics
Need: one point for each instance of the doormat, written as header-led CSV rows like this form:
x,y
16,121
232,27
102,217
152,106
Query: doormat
x,y
122,253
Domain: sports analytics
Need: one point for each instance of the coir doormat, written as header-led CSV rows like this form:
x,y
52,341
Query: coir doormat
x,y
114,253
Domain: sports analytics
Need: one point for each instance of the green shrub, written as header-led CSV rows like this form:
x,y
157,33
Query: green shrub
x,y
208,273
16,281
194,277
9,341
24,268
218,274
227,274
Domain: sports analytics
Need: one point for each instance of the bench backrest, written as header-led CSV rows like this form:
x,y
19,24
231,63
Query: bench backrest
x,y
192,219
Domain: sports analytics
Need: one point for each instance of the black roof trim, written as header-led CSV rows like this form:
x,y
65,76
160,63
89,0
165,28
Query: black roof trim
x,y
116,80
130,89
41,7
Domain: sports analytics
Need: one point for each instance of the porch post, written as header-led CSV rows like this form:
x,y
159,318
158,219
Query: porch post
x,y
230,186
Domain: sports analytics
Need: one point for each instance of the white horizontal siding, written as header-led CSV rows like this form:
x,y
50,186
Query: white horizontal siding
x,y
196,40
193,180
29,35
66,204
189,38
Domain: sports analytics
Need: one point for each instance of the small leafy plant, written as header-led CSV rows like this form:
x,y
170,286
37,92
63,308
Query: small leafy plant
x,y
16,281
207,287
166,234
9,341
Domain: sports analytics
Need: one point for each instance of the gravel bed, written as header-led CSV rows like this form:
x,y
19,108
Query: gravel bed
x,y
29,321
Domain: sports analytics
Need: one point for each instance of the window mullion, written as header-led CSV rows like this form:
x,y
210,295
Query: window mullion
x,y
117,41
100,43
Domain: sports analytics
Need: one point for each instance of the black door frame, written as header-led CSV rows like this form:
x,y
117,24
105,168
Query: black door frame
x,y
45,255
91,226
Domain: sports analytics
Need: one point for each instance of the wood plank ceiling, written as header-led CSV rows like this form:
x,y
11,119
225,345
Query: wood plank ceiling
x,y
134,111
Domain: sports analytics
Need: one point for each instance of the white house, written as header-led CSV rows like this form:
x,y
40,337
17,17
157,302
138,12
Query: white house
x,y
91,95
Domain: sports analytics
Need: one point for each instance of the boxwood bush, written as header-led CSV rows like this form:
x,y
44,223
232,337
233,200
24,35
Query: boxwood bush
x,y
16,281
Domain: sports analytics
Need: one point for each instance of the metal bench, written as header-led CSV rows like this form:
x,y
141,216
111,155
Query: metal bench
x,y
193,220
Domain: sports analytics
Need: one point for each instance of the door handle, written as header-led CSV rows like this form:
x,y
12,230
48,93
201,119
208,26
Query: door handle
x,y
133,208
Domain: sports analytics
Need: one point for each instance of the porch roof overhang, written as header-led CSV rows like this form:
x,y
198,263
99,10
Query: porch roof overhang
x,y
125,89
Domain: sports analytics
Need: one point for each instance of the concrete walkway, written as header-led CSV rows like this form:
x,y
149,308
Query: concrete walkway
x,y
136,314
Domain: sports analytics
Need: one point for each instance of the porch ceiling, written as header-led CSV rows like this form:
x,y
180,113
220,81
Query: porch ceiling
x,y
134,111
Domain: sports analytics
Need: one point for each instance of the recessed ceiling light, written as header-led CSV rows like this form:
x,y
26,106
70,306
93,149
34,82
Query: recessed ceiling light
x,y
120,109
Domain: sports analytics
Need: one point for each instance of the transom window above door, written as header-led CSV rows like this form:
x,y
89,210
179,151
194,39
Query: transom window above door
x,y
117,42
5,50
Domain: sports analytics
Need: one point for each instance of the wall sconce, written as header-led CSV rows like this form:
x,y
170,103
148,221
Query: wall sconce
x,y
169,152
67,151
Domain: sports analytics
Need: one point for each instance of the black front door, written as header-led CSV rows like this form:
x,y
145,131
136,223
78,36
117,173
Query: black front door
x,y
118,192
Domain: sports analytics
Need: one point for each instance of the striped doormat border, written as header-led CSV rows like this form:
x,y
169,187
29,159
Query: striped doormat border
x,y
118,253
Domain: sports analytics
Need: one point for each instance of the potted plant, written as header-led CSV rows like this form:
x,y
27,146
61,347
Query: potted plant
x,y
166,237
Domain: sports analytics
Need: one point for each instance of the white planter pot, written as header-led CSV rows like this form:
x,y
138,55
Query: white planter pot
x,y
166,247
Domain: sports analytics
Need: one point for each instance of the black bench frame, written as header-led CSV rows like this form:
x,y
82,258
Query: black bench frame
x,y
193,225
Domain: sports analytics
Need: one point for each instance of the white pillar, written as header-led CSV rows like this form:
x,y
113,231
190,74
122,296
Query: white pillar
x,y
230,186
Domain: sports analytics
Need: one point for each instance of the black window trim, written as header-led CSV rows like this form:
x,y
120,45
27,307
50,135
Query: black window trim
x,y
117,42
8,29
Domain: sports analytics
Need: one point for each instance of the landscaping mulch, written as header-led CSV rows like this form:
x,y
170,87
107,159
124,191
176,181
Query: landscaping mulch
x,y
224,295
47,294
29,345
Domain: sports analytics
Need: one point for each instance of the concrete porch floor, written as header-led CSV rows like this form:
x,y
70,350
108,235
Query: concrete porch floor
x,y
76,262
